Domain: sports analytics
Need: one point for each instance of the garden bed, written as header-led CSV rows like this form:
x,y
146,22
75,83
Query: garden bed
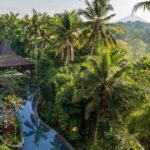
x,y
11,135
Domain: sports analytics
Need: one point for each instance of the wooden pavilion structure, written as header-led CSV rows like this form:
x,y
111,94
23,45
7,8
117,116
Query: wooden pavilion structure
x,y
9,60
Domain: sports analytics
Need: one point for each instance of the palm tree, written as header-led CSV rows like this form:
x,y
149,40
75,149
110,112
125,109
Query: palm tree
x,y
67,31
33,33
46,32
11,23
101,83
11,30
144,5
98,29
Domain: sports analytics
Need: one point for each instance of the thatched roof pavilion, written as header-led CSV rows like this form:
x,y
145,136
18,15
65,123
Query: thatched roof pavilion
x,y
8,59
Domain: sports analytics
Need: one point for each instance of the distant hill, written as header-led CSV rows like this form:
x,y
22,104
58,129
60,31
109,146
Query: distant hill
x,y
135,30
132,19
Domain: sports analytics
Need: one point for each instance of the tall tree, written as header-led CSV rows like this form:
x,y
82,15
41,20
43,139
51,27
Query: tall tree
x,y
98,29
11,24
67,32
100,85
33,34
46,32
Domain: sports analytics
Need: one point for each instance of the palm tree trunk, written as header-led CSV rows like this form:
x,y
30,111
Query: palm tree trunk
x,y
44,46
96,134
36,55
92,51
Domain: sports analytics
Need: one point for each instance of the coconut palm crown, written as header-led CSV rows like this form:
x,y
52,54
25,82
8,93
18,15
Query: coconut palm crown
x,y
98,26
67,35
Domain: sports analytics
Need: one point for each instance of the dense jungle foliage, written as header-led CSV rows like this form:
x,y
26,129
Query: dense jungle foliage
x,y
94,75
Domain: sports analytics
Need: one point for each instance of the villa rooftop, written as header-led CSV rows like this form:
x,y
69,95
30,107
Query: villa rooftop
x,y
8,58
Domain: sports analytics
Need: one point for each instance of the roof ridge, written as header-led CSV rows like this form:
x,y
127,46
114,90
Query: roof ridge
x,y
5,49
22,58
13,60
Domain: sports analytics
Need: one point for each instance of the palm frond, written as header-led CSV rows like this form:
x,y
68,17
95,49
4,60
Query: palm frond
x,y
108,18
90,8
144,5
94,63
116,28
111,39
97,6
107,9
86,14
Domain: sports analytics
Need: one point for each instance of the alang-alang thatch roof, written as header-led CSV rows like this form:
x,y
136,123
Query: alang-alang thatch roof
x,y
9,59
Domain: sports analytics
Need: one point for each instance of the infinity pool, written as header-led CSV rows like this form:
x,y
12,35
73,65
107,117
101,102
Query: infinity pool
x,y
37,135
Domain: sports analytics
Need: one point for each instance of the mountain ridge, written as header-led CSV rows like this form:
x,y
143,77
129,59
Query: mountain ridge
x,y
132,18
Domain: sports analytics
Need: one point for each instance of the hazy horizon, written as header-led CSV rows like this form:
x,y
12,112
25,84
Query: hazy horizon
x,y
122,8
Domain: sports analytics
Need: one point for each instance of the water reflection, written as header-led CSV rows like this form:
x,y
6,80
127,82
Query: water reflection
x,y
37,135
36,129
59,144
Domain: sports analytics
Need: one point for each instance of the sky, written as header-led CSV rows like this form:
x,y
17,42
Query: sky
x,y
122,7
